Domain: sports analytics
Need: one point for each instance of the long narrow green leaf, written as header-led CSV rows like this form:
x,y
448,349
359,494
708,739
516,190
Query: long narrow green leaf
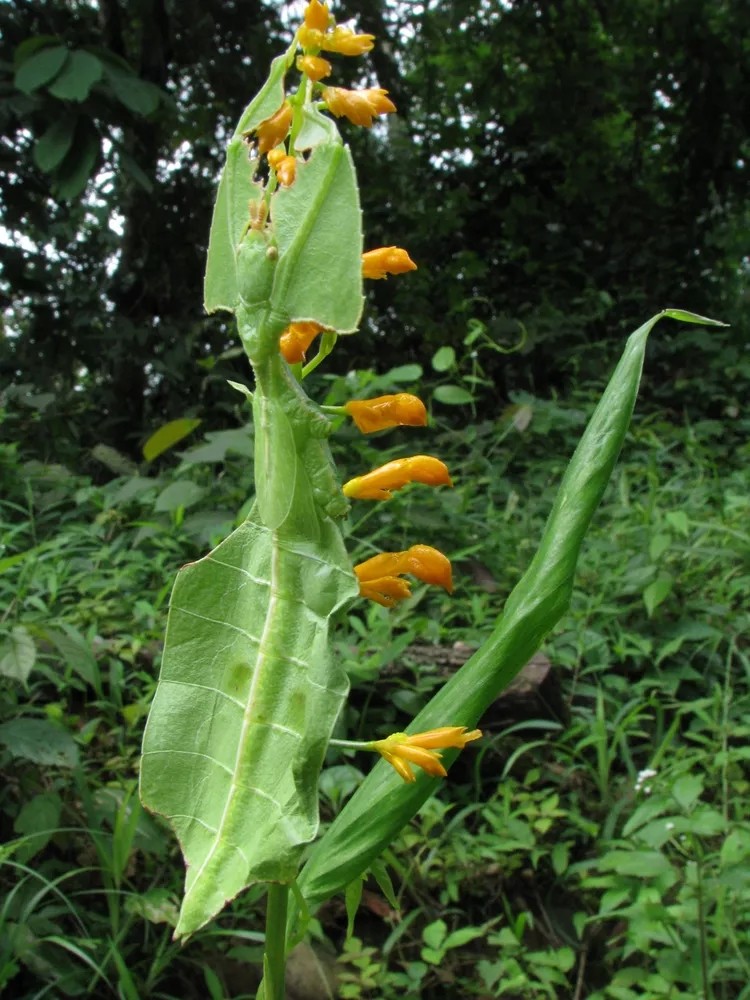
x,y
384,804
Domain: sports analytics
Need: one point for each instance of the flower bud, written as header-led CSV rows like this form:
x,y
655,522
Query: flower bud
x,y
314,67
285,166
317,16
296,339
275,129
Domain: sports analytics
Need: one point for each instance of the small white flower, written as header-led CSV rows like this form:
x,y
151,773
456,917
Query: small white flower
x,y
641,779
670,826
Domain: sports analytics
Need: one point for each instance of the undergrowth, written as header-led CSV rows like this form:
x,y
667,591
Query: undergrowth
x,y
598,848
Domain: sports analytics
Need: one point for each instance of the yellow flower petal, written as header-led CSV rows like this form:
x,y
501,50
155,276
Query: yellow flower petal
x,y
359,106
423,561
401,750
378,484
296,339
346,42
275,129
385,590
381,262
398,410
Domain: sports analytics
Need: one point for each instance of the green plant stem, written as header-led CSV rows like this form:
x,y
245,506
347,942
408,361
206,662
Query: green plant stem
x,y
274,959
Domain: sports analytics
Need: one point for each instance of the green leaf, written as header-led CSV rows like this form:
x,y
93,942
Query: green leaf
x,y
376,812
316,221
167,436
17,655
403,374
78,165
37,821
443,359
181,493
51,148
642,864
678,520
218,444
40,68
80,74
452,395
248,692
138,96
686,790
380,873
657,592
352,898
236,189
39,741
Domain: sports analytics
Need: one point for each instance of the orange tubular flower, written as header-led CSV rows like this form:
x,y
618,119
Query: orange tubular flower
x,y
317,16
274,130
401,750
359,106
386,260
314,67
296,339
285,166
378,414
423,561
378,484
346,43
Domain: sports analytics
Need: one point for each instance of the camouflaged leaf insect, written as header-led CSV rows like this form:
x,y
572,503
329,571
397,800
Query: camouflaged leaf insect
x,y
248,692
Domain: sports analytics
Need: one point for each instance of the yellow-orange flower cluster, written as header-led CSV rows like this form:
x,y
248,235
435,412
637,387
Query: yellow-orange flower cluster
x,y
398,410
275,129
421,749
320,32
386,260
359,106
379,577
380,483
296,339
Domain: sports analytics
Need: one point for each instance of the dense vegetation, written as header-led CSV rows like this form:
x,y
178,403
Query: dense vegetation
x,y
572,167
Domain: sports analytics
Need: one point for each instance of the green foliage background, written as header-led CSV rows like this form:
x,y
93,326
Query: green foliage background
x,y
563,165
559,168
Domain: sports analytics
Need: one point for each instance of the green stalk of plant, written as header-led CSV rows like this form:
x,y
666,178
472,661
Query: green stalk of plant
x,y
249,690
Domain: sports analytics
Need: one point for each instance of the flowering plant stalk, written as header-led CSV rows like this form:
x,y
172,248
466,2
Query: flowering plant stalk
x,y
249,691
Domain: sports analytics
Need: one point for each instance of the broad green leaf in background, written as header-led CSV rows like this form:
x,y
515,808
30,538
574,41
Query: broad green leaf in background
x,y
138,96
78,76
40,741
444,358
51,148
383,804
77,167
167,436
181,493
37,821
17,654
40,68
452,395
657,592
